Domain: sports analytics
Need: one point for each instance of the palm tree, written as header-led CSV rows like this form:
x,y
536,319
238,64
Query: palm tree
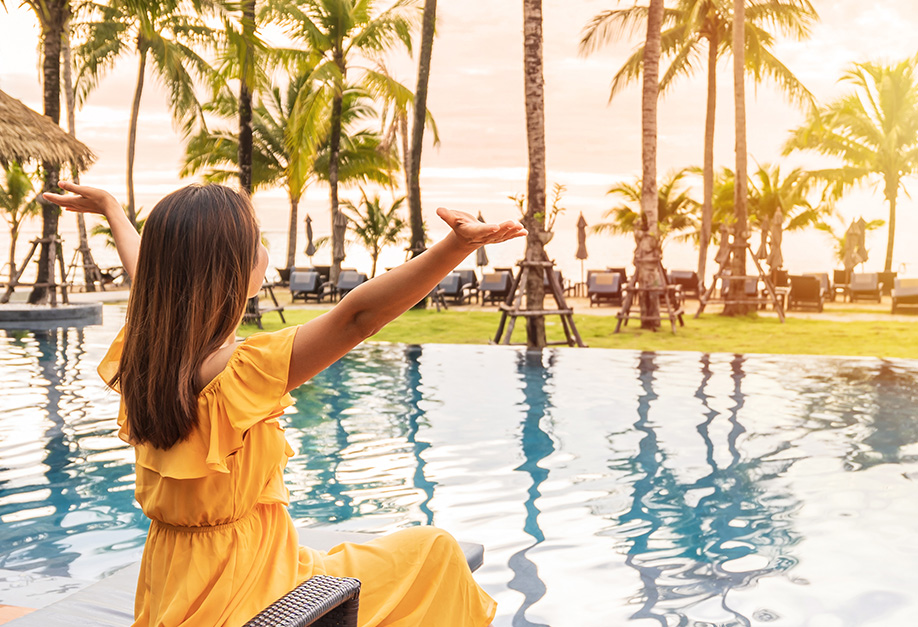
x,y
413,160
770,191
648,253
676,209
873,130
17,202
534,220
165,32
91,273
340,32
282,156
702,29
53,16
375,226
740,193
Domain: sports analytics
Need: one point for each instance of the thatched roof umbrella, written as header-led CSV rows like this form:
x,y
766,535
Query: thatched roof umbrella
x,y
26,135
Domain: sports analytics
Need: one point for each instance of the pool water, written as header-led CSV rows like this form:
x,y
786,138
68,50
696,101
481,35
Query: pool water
x,y
608,487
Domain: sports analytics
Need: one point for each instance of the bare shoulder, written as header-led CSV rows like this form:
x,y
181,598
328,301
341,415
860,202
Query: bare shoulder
x,y
215,363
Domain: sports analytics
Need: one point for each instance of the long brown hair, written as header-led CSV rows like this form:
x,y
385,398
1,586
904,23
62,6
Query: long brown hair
x,y
196,257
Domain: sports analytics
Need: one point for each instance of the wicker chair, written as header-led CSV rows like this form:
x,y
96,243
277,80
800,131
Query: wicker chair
x,y
321,601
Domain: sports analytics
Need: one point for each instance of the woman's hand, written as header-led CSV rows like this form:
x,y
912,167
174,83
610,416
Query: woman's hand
x,y
85,199
474,233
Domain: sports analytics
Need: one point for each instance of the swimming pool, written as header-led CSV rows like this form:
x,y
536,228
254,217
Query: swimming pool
x,y
608,487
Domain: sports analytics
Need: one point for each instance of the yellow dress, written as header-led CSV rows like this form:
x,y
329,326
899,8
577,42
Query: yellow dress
x,y
222,546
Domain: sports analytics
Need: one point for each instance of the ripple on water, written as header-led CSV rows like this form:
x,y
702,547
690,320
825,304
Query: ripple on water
x,y
608,486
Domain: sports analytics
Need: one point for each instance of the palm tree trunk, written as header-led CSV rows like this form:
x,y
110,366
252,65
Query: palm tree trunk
x,y
892,193
535,134
738,264
132,131
291,232
707,203
648,246
416,218
90,269
334,149
14,235
245,97
58,12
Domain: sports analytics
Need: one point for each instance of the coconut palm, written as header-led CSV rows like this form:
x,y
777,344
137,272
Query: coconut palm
x,y
676,210
375,226
534,218
341,33
53,16
18,202
698,33
413,160
770,191
166,32
872,130
281,156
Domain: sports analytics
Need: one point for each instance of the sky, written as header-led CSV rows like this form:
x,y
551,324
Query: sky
x,y
476,96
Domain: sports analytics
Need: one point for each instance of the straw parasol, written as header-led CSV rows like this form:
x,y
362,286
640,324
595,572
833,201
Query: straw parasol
x,y
26,135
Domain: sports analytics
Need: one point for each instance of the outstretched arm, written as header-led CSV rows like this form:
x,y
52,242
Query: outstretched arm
x,y
91,200
365,310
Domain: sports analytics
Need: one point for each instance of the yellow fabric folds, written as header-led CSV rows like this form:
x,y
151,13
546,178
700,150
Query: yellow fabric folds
x,y
222,546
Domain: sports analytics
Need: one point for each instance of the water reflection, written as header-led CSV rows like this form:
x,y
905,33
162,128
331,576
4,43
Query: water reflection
x,y
61,485
713,458
414,417
537,445
692,543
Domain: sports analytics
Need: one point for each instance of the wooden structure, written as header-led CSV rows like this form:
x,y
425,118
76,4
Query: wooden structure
x,y
512,306
670,295
733,287
52,285
254,311
90,269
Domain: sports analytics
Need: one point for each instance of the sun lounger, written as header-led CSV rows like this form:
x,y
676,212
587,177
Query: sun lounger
x,y
905,292
864,286
457,288
469,283
495,286
605,287
307,285
687,280
805,292
347,281
110,602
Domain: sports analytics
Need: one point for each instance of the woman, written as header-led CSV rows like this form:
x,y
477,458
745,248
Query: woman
x,y
201,410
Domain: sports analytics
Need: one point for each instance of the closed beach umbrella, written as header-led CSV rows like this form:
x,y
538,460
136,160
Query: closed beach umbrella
x,y
723,251
581,243
762,252
862,240
340,230
481,255
852,238
310,245
775,258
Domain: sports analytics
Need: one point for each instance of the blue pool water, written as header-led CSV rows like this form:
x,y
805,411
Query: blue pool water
x,y
608,487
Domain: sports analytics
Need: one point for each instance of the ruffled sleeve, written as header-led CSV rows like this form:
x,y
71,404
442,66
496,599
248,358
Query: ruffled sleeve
x,y
112,359
251,389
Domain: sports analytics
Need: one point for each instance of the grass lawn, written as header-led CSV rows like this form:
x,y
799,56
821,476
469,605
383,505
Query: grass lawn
x,y
710,333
